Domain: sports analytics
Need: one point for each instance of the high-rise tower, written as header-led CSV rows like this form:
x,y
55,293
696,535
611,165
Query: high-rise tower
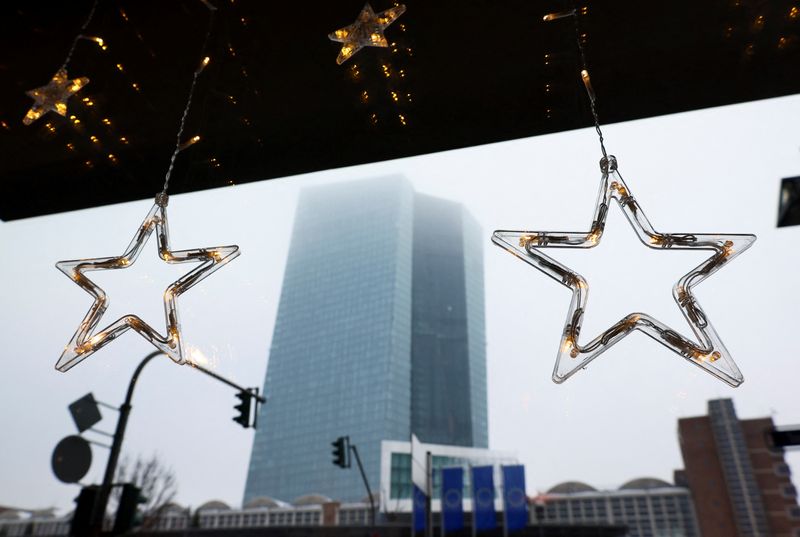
x,y
380,333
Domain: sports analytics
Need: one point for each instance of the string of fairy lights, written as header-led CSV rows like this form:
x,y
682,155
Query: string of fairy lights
x,y
710,353
97,132
90,131
250,92
388,100
53,96
92,137
762,28
752,26
557,66
382,90
87,339
100,140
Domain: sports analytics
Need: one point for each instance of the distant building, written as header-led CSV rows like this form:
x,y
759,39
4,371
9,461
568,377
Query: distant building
x,y
309,516
396,486
741,486
14,523
380,333
649,507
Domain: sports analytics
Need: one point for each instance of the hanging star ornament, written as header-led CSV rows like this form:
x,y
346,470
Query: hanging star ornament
x,y
710,354
53,96
85,341
366,31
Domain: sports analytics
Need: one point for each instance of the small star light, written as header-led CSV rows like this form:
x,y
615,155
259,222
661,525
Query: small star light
x,y
53,96
710,354
366,31
86,341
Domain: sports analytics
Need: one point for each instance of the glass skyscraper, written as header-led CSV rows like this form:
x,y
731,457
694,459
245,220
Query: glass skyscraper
x,y
380,334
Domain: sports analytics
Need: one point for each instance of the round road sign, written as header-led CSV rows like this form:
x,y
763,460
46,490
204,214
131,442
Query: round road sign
x,y
72,459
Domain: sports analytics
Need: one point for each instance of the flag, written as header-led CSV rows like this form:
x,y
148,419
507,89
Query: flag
x,y
420,514
418,464
515,500
452,499
483,514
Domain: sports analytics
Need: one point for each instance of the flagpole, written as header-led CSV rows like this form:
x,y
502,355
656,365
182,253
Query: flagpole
x,y
429,493
505,506
474,498
442,531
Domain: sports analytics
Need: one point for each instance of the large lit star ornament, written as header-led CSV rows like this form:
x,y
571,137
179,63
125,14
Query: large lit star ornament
x,y
86,340
366,31
53,96
710,353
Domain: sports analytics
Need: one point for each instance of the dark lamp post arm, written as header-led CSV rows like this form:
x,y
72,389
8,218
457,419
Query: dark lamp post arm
x,y
366,484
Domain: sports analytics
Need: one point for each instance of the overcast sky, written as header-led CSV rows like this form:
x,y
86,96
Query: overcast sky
x,y
715,170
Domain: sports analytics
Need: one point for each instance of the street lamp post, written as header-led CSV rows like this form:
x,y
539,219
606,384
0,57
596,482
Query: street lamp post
x,y
99,510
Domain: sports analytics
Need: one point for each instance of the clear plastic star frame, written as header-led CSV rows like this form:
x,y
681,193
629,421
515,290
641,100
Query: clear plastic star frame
x,y
366,31
53,96
711,354
84,343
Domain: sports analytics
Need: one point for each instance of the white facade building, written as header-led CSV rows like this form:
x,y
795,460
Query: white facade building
x,y
649,507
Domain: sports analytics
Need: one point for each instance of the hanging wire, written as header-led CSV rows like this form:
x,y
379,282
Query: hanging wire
x,y
79,36
161,197
584,69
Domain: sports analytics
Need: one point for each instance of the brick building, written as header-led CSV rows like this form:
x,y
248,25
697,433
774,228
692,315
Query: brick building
x,y
741,486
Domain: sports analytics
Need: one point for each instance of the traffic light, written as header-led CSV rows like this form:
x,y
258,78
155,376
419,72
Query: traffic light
x,y
82,516
129,501
341,447
243,407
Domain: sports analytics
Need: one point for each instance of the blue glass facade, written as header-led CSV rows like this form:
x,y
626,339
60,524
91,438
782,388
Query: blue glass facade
x,y
341,355
448,360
